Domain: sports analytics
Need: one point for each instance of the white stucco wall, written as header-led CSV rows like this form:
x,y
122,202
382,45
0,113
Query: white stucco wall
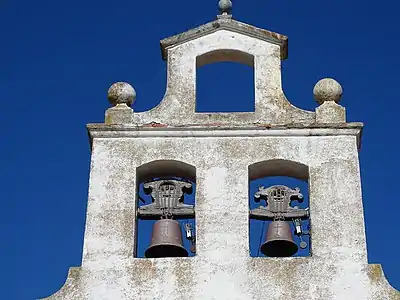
x,y
222,268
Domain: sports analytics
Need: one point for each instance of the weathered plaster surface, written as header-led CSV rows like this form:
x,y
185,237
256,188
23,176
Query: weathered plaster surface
x,y
226,40
223,269
226,149
178,104
330,112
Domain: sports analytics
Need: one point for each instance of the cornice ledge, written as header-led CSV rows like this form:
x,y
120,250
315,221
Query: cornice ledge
x,y
220,130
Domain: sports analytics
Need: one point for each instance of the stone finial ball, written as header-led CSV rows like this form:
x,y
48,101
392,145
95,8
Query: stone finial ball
x,y
121,92
327,89
225,6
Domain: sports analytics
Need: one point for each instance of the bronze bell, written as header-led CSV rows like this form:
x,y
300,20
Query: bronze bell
x,y
279,240
166,240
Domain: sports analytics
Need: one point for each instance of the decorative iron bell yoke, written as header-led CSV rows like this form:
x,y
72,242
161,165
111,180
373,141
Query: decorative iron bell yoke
x,y
279,237
167,205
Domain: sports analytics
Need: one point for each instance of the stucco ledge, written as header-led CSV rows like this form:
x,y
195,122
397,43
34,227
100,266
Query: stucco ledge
x,y
223,130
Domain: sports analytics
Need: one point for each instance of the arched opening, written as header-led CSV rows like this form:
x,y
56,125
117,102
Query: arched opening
x,y
279,218
225,82
165,224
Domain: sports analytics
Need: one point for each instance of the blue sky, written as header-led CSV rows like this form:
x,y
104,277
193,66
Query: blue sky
x,y
58,59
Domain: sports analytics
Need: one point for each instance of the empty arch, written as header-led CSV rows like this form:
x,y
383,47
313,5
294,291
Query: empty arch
x,y
225,82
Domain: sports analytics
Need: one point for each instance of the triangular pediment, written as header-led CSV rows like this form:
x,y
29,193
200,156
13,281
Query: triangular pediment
x,y
225,24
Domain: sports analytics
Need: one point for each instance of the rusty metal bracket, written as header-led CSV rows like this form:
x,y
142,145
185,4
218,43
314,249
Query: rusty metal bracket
x,y
167,200
278,199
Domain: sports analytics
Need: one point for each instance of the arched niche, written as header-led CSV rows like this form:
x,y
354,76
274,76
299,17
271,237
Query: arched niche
x,y
170,184
280,176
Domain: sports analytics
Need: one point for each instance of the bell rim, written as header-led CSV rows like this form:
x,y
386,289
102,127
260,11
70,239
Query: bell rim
x,y
186,253
290,245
